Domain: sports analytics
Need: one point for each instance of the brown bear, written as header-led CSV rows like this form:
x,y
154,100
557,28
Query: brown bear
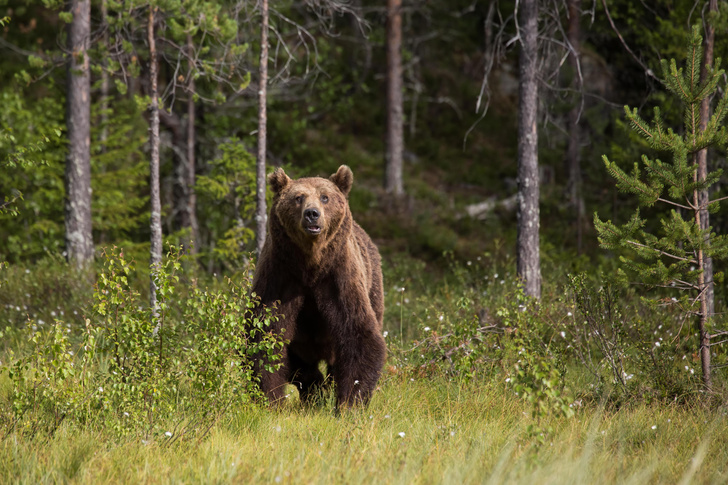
x,y
325,273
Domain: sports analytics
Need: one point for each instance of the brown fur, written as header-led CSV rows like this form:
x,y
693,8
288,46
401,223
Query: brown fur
x,y
329,286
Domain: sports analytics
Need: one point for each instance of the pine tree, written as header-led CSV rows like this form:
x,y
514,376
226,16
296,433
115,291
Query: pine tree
x,y
676,257
528,253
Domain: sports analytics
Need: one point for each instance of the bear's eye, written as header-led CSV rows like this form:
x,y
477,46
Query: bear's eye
x,y
299,199
324,198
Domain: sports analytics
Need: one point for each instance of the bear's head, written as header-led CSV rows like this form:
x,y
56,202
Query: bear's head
x,y
311,209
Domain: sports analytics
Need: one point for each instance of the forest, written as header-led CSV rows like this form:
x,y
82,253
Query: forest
x,y
544,180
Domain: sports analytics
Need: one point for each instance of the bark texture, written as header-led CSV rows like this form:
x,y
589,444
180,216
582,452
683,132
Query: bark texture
x,y
156,205
261,215
79,235
707,295
395,135
528,255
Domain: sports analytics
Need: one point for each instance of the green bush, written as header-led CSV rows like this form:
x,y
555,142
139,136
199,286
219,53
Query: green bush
x,y
135,371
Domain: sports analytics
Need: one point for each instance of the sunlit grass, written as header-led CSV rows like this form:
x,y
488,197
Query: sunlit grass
x,y
414,431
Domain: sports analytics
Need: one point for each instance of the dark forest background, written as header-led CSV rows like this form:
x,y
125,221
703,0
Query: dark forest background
x,y
327,104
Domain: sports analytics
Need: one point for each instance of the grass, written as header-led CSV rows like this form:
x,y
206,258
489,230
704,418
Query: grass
x,y
417,429
414,431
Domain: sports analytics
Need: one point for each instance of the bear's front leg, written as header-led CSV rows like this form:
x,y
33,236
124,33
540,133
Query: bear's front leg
x,y
360,355
358,346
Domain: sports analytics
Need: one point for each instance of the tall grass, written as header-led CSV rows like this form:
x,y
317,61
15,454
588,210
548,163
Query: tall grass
x,y
431,420
414,431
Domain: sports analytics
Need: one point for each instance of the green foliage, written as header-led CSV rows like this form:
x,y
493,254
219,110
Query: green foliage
x,y
119,173
671,257
598,334
229,191
212,322
45,383
539,373
132,370
460,338
630,349
31,157
456,335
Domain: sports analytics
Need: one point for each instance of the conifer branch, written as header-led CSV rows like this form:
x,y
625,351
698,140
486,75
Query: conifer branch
x,y
662,253
666,201
637,122
678,80
721,199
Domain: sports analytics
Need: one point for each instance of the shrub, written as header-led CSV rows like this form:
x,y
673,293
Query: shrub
x,y
134,371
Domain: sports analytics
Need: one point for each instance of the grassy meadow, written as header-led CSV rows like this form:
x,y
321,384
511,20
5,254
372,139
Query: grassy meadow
x,y
414,431
481,386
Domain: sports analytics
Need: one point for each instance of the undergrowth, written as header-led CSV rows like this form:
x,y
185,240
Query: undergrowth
x,y
127,369
481,381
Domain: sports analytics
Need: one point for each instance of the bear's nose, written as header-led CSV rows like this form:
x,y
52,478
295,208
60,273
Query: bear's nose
x,y
311,215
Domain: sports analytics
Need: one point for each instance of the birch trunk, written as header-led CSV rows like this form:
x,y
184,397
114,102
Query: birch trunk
x,y
156,206
261,214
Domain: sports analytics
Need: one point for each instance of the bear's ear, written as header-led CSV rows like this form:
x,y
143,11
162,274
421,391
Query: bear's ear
x,y
278,180
343,179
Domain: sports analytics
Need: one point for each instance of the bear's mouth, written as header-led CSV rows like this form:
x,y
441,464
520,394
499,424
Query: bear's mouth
x,y
313,230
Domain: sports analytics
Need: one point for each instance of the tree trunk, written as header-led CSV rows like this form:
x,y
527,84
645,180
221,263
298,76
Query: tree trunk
x,y
573,149
79,235
704,313
707,295
395,136
261,215
528,256
156,206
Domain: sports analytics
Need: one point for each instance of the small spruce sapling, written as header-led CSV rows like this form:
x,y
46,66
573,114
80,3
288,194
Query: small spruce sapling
x,y
675,258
